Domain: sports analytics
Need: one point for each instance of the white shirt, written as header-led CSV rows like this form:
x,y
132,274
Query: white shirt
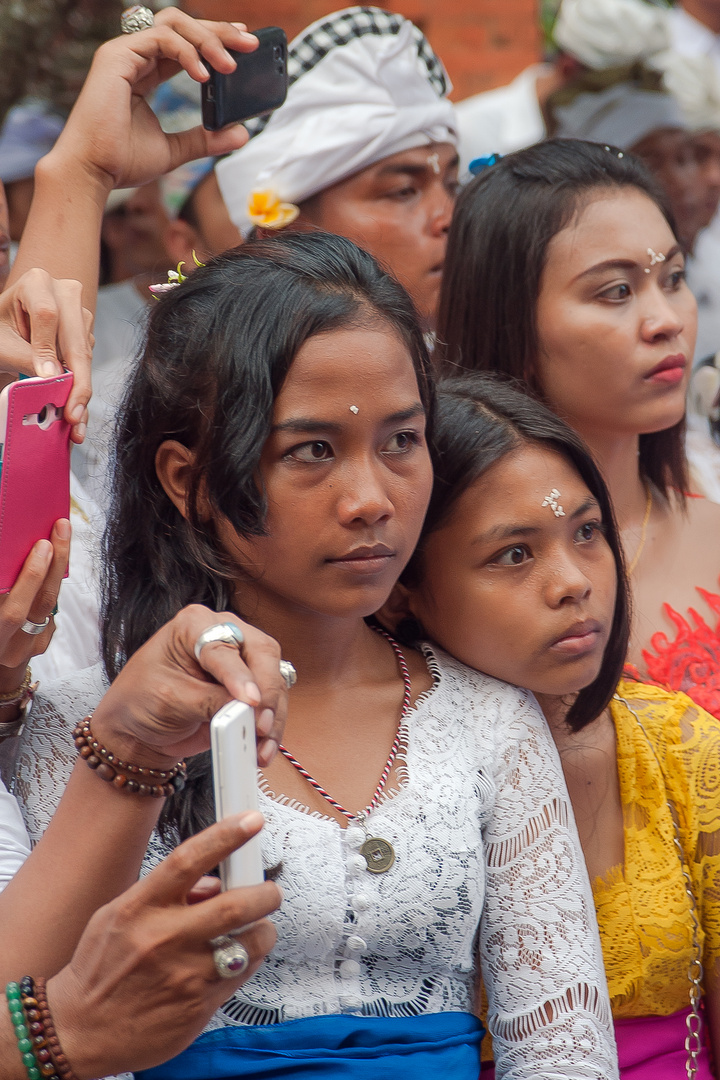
x,y
703,277
484,836
502,120
14,840
119,325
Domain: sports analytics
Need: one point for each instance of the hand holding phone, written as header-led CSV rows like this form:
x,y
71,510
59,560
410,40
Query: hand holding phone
x,y
234,764
258,85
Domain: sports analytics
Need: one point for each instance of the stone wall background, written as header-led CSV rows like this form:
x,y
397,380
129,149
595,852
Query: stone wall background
x,y
483,43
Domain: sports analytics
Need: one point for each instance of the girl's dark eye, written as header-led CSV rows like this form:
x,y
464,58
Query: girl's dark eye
x,y
401,442
676,279
513,556
311,451
589,531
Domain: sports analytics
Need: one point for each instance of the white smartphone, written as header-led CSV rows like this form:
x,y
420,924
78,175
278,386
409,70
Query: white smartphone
x,y
234,764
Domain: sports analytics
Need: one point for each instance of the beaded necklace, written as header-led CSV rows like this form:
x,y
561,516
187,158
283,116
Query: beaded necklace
x,y
379,854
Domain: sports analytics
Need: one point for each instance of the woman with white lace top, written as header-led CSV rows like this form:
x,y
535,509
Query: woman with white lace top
x,y
272,461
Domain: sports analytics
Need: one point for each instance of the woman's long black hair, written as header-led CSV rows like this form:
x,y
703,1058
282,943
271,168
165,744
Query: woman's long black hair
x,y
479,419
503,223
219,347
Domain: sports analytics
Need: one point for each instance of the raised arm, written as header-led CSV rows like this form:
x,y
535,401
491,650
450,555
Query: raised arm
x,y
156,712
113,139
541,961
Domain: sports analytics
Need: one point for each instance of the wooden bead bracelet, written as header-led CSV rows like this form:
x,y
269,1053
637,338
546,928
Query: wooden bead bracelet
x,y
37,1038
136,779
62,1067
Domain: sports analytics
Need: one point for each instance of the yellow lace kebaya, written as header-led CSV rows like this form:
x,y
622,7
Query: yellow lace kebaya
x,y
643,910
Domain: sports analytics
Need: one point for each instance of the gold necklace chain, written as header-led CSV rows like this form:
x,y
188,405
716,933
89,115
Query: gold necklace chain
x,y
643,532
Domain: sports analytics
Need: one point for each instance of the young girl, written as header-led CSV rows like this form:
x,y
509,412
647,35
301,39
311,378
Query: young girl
x,y
518,573
272,461
588,305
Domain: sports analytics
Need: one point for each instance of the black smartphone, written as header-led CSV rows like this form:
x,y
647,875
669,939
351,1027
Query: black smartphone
x,y
256,86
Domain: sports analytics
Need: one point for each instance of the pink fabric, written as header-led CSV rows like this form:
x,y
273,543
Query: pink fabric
x,y
653,1048
649,1048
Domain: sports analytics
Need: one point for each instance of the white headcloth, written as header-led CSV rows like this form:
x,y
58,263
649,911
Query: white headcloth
x,y
610,33
694,82
364,84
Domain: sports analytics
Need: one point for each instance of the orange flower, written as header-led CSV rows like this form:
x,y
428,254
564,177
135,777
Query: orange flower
x,y
266,211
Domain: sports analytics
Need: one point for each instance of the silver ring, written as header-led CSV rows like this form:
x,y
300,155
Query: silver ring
x,y
34,628
288,673
135,18
229,957
222,631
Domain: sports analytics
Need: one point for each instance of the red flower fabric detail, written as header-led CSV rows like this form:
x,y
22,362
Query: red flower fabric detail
x,y
691,662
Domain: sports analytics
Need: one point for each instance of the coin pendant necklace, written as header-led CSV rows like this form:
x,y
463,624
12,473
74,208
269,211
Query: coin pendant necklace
x,y
379,854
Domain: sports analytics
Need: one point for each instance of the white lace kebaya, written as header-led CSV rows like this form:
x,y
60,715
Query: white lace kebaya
x,y
484,837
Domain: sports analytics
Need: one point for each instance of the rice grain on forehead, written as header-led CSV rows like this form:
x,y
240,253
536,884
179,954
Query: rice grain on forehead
x,y
363,84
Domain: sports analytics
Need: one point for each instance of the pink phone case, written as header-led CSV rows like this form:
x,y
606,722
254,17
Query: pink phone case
x,y
35,479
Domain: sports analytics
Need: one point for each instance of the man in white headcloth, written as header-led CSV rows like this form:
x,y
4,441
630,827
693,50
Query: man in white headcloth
x,y
631,109
364,146
590,35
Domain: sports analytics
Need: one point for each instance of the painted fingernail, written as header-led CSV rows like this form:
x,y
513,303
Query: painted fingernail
x,y
77,413
252,693
49,369
265,721
63,529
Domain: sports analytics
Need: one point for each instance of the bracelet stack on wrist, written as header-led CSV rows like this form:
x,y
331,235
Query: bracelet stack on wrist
x,y
38,1042
137,779
21,696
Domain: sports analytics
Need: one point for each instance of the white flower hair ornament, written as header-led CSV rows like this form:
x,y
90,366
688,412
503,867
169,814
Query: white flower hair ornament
x,y
175,278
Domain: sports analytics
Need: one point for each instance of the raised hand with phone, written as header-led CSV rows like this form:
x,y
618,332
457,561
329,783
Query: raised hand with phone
x,y
113,139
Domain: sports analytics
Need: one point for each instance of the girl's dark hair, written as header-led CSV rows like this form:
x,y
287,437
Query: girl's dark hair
x,y
479,419
503,223
218,350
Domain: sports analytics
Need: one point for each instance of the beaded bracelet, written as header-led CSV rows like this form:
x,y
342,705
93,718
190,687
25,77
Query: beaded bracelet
x,y
133,778
33,1019
62,1066
22,1031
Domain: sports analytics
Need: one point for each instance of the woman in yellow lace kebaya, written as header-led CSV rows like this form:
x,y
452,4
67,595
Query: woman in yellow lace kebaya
x,y
514,575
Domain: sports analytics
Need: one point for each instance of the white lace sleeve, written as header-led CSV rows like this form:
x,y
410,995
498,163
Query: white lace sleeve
x,y
548,1007
46,753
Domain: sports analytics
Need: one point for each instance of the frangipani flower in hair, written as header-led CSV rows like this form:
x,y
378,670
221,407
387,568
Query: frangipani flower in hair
x,y
267,212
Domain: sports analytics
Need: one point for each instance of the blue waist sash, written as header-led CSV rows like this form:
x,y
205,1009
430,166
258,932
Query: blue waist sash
x,y
342,1047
